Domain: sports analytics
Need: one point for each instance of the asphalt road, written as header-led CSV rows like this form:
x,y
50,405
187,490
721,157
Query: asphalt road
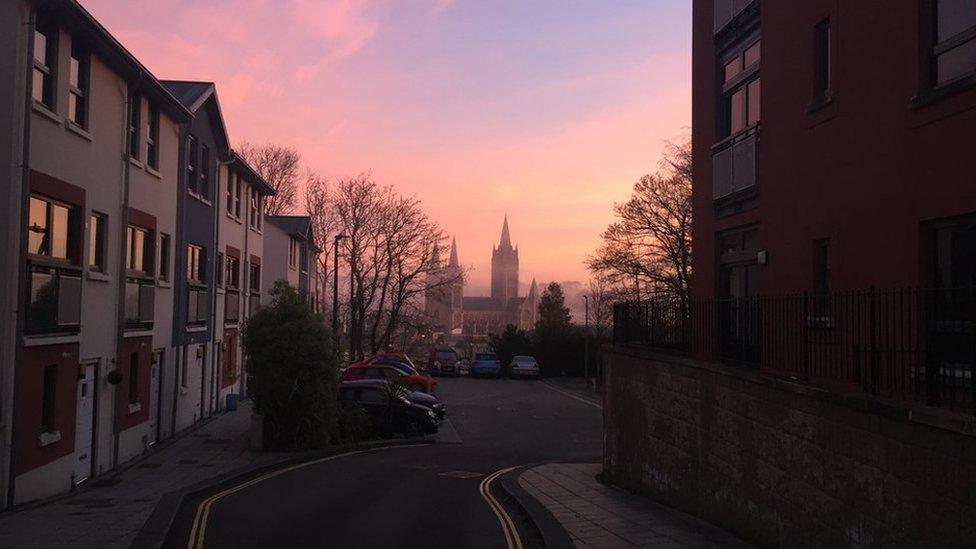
x,y
425,496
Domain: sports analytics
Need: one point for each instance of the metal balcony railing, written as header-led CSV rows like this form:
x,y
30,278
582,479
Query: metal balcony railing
x,y
734,163
726,10
53,300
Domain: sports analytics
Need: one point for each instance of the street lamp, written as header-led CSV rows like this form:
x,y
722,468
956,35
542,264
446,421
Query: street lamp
x,y
335,289
586,336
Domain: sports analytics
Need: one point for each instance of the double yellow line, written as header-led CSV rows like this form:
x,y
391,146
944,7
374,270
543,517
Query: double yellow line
x,y
199,529
508,526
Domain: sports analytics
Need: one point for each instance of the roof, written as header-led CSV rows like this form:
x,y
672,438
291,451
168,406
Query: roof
x,y
251,175
101,43
299,226
195,95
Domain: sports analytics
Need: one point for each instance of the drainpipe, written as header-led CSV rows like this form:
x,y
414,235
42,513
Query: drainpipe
x,y
22,261
120,303
179,274
215,389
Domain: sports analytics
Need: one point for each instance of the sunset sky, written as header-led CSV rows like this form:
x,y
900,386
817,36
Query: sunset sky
x,y
544,110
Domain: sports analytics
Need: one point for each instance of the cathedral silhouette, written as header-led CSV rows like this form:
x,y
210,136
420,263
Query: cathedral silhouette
x,y
451,311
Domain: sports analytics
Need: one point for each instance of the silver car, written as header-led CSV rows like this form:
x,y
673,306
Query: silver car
x,y
523,366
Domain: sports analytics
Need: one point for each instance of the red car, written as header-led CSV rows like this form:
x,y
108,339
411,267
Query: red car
x,y
380,368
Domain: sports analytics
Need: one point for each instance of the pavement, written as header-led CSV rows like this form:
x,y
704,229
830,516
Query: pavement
x,y
603,517
110,510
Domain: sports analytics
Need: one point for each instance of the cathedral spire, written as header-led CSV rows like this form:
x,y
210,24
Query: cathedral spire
x,y
454,255
533,290
506,240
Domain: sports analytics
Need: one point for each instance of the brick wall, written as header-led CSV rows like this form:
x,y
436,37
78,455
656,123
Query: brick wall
x,y
784,464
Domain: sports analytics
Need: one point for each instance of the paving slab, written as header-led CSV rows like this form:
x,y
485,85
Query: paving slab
x,y
598,516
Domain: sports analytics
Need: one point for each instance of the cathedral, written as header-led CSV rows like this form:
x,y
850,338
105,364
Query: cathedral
x,y
451,311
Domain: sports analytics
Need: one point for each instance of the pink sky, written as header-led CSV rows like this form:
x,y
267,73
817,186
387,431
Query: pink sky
x,y
546,110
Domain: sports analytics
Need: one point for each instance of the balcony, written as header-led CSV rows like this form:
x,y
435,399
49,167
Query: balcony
x,y
140,301
232,307
734,164
54,300
726,11
197,306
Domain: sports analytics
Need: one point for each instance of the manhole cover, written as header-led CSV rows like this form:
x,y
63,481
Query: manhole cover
x,y
462,474
188,461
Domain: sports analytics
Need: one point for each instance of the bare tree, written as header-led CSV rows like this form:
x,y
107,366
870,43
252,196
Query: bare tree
x,y
648,246
602,297
388,249
318,206
281,167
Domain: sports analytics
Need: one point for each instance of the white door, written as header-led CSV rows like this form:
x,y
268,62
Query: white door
x,y
154,376
84,425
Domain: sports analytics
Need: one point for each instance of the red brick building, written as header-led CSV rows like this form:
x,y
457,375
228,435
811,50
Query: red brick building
x,y
834,145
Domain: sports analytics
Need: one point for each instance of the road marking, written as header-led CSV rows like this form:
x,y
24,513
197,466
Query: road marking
x,y
571,395
508,526
199,529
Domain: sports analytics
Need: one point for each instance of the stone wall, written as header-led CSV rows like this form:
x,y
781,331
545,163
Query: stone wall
x,y
782,464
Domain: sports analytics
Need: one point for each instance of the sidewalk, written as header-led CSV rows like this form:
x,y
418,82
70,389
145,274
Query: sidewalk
x,y
598,516
111,511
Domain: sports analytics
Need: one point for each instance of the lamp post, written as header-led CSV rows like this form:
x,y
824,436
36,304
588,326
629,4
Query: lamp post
x,y
335,289
586,336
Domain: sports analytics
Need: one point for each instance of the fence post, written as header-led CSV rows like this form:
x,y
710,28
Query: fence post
x,y
804,328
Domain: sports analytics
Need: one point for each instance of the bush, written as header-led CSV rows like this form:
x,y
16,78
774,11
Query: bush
x,y
353,425
510,343
293,371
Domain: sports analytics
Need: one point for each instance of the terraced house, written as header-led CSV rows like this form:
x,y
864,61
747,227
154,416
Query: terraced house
x,y
122,293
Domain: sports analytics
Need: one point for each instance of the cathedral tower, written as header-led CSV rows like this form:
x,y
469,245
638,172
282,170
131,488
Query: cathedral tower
x,y
504,268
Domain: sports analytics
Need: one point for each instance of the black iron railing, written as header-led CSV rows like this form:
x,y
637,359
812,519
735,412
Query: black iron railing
x,y
907,344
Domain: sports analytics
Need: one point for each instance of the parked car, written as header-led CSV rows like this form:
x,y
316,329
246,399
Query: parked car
x,y
390,369
399,357
443,361
398,416
523,366
416,397
485,364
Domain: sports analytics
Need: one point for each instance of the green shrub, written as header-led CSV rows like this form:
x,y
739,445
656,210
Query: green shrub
x,y
293,371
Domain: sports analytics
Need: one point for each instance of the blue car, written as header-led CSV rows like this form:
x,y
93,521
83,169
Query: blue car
x,y
485,364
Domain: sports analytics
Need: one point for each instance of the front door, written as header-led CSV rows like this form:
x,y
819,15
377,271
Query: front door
x,y
155,375
84,422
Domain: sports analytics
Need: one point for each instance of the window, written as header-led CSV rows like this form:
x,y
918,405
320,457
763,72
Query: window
x,y
78,82
220,269
164,245
821,61
741,90
97,233
138,250
152,138
292,253
955,42
191,164
50,229
48,398
134,378
238,191
254,278
204,171
233,272
194,264
45,64
230,192
135,116
255,206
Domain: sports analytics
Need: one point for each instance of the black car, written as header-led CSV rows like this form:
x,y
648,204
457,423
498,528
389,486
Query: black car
x,y
397,417
416,397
